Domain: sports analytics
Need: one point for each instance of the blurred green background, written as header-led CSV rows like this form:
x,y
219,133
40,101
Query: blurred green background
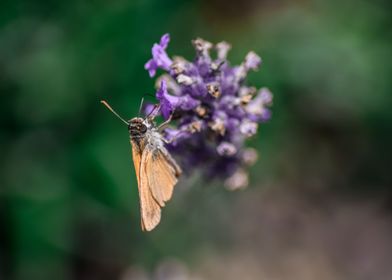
x,y
319,203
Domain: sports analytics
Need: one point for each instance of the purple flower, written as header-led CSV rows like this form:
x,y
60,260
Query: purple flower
x,y
257,107
222,49
248,128
226,149
166,101
252,61
214,110
238,180
170,103
159,59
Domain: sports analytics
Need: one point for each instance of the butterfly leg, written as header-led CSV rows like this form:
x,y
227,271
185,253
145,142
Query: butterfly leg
x,y
175,137
163,125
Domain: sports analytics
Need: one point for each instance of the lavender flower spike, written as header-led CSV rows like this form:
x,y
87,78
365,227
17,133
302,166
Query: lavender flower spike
x,y
159,59
214,111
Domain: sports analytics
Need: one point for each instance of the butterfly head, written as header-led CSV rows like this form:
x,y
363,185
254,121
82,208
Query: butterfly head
x,y
137,127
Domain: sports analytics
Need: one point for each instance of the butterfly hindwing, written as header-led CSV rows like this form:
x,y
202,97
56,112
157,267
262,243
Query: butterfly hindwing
x,y
163,175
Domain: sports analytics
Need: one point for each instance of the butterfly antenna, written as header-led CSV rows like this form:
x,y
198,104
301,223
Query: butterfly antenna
x,y
114,112
141,106
153,112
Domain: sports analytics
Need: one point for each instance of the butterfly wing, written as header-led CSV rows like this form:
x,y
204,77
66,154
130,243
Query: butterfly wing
x,y
136,157
158,176
163,175
150,210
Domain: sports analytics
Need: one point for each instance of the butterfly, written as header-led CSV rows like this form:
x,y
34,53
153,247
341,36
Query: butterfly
x,y
156,170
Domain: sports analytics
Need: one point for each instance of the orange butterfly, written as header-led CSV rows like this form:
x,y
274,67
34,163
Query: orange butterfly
x,y
156,170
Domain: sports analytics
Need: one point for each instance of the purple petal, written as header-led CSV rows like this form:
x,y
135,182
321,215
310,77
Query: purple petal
x,y
222,49
188,103
165,39
257,107
266,116
248,128
266,96
160,59
232,124
151,67
165,101
239,180
170,103
252,61
226,149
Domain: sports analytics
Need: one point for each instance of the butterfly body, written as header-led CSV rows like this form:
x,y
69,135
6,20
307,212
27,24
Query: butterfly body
x,y
156,171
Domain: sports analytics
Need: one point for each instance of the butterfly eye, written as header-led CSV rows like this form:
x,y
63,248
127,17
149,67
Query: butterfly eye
x,y
143,129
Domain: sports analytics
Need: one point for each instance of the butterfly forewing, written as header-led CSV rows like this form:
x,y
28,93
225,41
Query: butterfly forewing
x,y
143,195
150,210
